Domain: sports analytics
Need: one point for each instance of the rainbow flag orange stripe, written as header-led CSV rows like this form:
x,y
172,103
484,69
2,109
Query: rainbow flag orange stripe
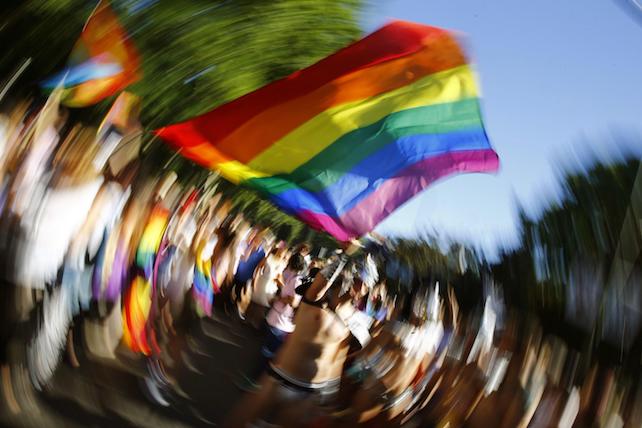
x,y
344,142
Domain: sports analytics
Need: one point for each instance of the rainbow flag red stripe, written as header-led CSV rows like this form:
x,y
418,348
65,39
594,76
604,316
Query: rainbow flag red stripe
x,y
343,143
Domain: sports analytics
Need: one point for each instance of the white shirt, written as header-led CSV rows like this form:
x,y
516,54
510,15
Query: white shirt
x,y
417,342
282,314
265,287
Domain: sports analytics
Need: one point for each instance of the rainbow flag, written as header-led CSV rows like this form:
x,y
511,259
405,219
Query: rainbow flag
x,y
204,288
102,62
151,239
343,143
136,309
138,333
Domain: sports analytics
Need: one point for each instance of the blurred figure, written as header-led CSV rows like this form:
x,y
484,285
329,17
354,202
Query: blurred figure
x,y
178,273
392,369
248,263
265,286
304,249
280,318
303,380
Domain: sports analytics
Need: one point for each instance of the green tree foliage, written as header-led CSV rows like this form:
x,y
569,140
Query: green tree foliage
x,y
580,233
201,54
196,55
588,221
422,255
585,225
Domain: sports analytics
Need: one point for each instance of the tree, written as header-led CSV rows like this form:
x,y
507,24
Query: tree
x,y
564,268
196,55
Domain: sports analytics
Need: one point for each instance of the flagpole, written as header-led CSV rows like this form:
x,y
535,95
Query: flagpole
x,y
15,77
172,157
91,14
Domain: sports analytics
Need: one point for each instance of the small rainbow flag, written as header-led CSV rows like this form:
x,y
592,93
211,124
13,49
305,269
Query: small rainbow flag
x,y
102,62
136,310
203,289
344,142
138,334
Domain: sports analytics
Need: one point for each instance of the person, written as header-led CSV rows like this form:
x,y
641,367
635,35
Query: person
x,y
306,373
246,267
304,250
376,303
281,314
180,273
223,256
280,318
393,369
265,286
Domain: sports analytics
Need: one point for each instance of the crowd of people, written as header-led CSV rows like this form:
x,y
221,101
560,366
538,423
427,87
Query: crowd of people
x,y
89,235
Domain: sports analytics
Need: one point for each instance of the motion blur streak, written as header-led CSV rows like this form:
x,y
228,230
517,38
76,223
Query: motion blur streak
x,y
140,290
553,338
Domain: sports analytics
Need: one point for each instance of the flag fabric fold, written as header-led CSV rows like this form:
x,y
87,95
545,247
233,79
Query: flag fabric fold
x,y
346,141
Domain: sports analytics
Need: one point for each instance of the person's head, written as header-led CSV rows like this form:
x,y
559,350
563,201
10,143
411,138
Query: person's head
x,y
243,296
397,307
260,237
426,305
296,263
366,276
227,236
303,249
409,309
380,291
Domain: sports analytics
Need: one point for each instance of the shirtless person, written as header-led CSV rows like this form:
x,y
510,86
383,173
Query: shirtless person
x,y
306,373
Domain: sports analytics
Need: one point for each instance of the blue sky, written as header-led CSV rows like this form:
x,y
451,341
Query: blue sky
x,y
553,73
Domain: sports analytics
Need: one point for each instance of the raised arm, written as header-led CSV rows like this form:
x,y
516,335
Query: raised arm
x,y
258,270
323,280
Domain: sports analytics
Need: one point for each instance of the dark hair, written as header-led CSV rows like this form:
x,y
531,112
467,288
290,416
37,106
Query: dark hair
x,y
307,281
405,313
227,236
303,246
338,282
296,262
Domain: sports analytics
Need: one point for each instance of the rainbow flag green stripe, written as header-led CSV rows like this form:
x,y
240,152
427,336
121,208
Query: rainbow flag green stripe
x,y
321,131
366,176
334,162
